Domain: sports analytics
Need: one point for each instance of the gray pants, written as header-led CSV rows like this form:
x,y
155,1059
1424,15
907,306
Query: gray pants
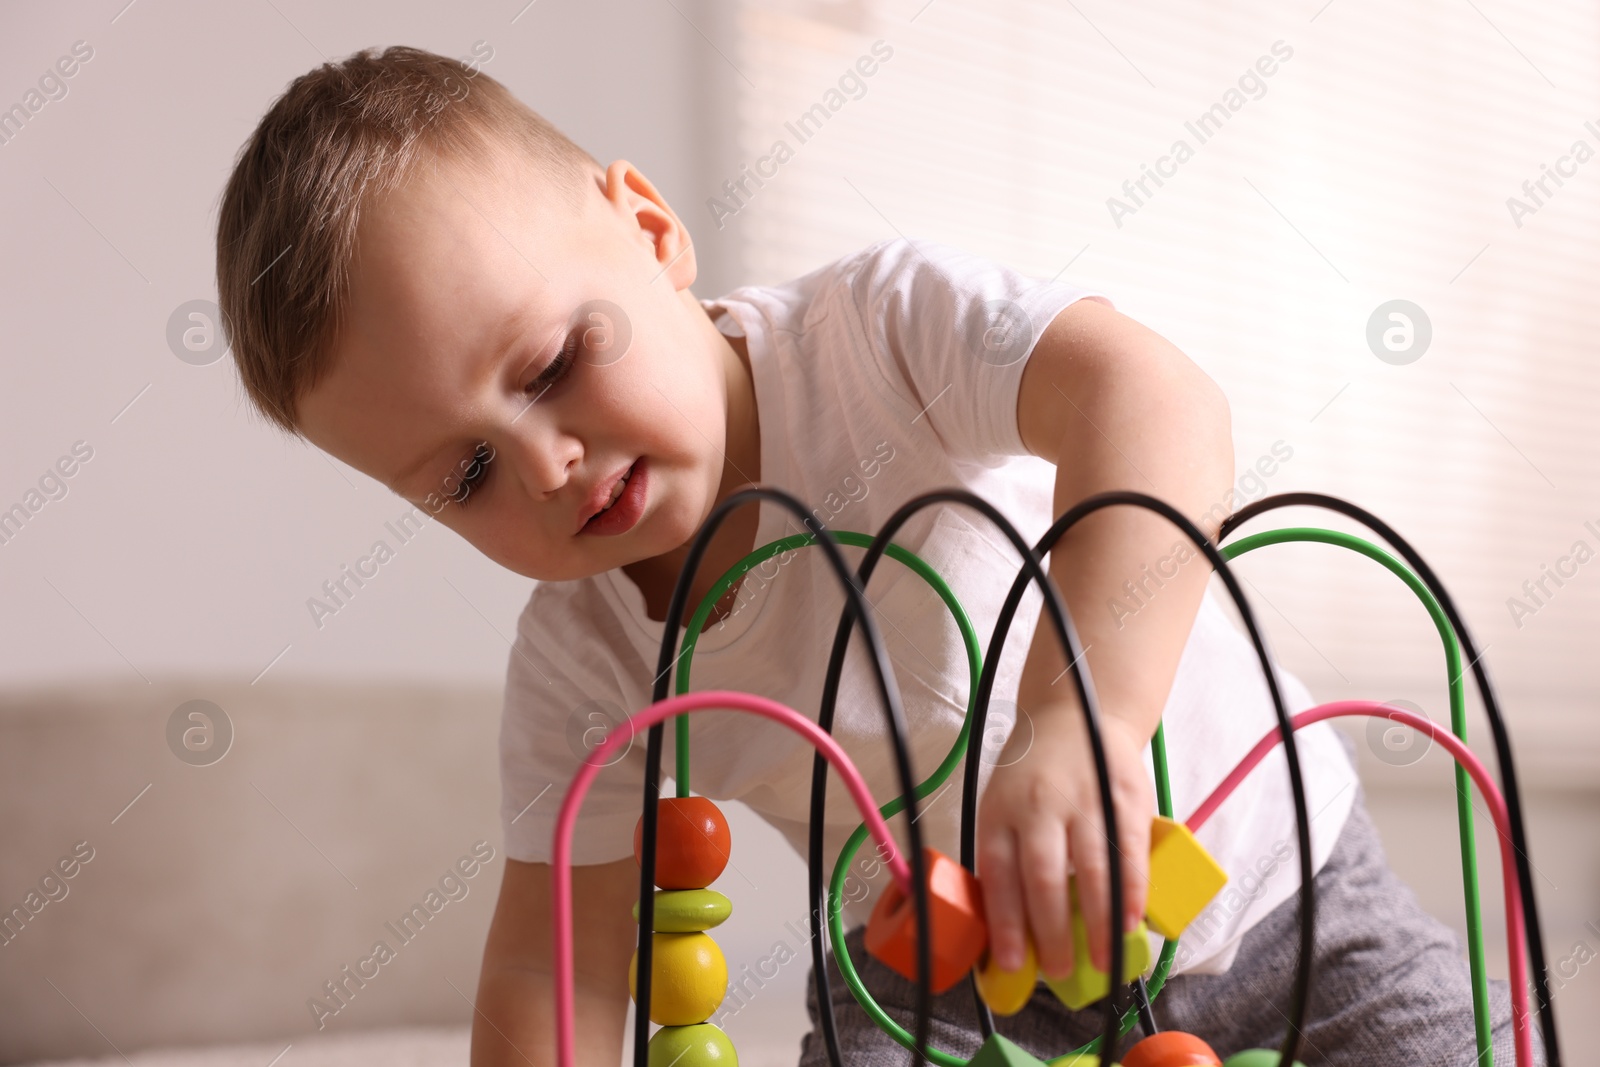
x,y
1390,985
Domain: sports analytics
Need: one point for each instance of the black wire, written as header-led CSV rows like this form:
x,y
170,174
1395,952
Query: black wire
x,y
855,605
1141,1000
1302,983
1502,740
1068,635
647,895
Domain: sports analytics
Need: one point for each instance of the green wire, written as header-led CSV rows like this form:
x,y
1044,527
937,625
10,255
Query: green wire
x,y
1458,725
895,1030
697,622
1158,751
951,761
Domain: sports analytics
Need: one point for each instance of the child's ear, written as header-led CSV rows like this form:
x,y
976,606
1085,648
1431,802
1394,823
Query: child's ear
x,y
660,230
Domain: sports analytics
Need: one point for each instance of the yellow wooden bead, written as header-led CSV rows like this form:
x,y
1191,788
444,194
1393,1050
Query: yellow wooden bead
x,y
681,911
1183,878
1006,992
688,978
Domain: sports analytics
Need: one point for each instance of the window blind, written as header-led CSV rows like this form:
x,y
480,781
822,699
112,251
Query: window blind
x,y
1258,182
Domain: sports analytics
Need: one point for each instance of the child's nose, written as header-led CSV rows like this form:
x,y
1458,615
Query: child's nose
x,y
545,461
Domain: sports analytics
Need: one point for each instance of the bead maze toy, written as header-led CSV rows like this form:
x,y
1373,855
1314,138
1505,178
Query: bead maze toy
x,y
928,924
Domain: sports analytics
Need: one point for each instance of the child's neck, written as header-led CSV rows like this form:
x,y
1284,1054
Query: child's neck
x,y
735,537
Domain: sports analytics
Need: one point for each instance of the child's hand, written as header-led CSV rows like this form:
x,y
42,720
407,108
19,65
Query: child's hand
x,y
1041,808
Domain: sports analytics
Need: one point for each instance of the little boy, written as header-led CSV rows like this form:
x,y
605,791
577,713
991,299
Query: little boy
x,y
427,280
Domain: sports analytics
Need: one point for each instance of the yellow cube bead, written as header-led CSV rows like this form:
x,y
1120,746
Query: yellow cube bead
x,y
688,978
1183,878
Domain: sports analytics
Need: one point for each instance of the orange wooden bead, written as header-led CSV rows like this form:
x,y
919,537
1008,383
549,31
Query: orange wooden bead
x,y
1171,1048
955,921
692,842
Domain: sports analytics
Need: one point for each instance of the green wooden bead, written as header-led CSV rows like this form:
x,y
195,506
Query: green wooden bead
x,y
1086,984
1001,1051
683,911
700,1045
1257,1057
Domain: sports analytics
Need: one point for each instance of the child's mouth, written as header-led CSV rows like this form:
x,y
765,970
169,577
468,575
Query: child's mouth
x,y
627,504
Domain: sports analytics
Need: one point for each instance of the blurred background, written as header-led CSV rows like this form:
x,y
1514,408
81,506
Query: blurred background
x,y
1374,224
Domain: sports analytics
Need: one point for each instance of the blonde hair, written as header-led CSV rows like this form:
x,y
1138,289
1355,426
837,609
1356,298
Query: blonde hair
x,y
338,135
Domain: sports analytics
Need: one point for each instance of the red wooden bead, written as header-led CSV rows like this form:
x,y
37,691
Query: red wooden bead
x,y
1171,1048
955,921
692,842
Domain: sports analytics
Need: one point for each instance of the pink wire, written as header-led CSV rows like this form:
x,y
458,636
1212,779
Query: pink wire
x,y
704,700
1516,945
712,700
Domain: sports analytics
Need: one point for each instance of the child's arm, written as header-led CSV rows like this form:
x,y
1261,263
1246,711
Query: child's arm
x,y
1114,406
514,1021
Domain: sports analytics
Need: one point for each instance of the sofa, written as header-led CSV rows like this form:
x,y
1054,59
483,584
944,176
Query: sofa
x,y
199,859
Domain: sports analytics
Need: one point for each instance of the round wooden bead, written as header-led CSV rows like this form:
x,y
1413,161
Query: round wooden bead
x,y
1172,1048
681,911
1007,992
688,978
700,1045
1256,1057
692,842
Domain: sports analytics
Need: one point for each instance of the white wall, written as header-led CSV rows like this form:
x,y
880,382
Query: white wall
x,y
192,538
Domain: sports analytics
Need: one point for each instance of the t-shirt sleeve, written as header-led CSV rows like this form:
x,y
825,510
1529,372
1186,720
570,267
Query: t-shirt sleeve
x,y
951,332
565,692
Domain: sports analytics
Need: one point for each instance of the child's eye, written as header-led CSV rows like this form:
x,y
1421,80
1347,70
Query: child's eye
x,y
558,367
477,470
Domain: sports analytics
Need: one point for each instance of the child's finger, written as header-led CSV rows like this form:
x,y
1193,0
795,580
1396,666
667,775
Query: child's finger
x,y
1002,897
1135,834
1089,861
1043,863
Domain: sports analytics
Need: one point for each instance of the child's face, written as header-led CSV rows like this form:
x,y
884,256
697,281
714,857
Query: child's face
x,y
464,289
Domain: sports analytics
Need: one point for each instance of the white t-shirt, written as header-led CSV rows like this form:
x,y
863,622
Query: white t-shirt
x,y
873,385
